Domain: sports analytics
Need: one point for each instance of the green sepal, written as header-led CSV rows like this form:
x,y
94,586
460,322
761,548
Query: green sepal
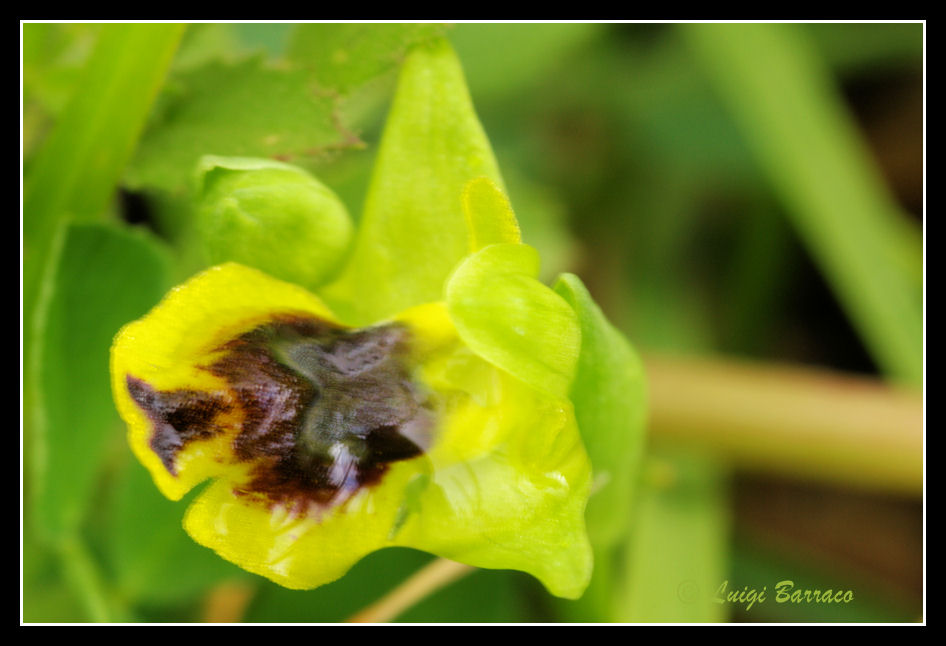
x,y
512,320
272,216
414,230
610,398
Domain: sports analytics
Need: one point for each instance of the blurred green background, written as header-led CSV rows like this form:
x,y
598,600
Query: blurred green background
x,y
753,191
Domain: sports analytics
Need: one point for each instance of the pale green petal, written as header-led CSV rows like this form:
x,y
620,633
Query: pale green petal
x,y
414,231
512,320
510,479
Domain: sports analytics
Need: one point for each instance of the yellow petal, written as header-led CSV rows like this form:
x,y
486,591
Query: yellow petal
x,y
168,351
298,551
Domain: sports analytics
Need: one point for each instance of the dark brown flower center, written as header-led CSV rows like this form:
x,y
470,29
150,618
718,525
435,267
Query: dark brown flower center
x,y
325,409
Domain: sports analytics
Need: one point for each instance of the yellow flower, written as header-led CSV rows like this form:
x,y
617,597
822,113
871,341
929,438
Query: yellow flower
x,y
422,399
326,442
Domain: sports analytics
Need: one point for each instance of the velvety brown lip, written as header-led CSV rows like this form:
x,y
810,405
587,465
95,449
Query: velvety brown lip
x,y
178,416
325,409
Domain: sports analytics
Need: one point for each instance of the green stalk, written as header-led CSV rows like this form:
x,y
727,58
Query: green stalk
x,y
677,550
785,102
800,422
79,166
82,573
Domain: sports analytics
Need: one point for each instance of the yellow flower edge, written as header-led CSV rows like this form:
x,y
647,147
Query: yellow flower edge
x,y
503,483
168,347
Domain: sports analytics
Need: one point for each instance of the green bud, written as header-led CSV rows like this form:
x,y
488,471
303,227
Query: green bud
x,y
272,216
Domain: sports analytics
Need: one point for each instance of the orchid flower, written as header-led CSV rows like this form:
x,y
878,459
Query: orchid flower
x,y
416,389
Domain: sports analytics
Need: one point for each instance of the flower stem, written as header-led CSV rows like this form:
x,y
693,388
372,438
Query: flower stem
x,y
430,578
801,422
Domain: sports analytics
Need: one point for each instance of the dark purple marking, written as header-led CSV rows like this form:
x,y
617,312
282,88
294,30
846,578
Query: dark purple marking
x,y
326,409
179,416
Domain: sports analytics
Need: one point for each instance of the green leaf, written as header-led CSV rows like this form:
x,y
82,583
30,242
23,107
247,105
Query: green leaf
x,y
51,604
675,558
610,398
344,56
204,42
270,37
414,230
53,58
153,558
512,320
45,597
77,169
104,278
240,109
794,118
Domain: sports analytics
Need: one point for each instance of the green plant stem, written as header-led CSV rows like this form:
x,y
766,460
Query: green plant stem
x,y
796,421
783,99
83,575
